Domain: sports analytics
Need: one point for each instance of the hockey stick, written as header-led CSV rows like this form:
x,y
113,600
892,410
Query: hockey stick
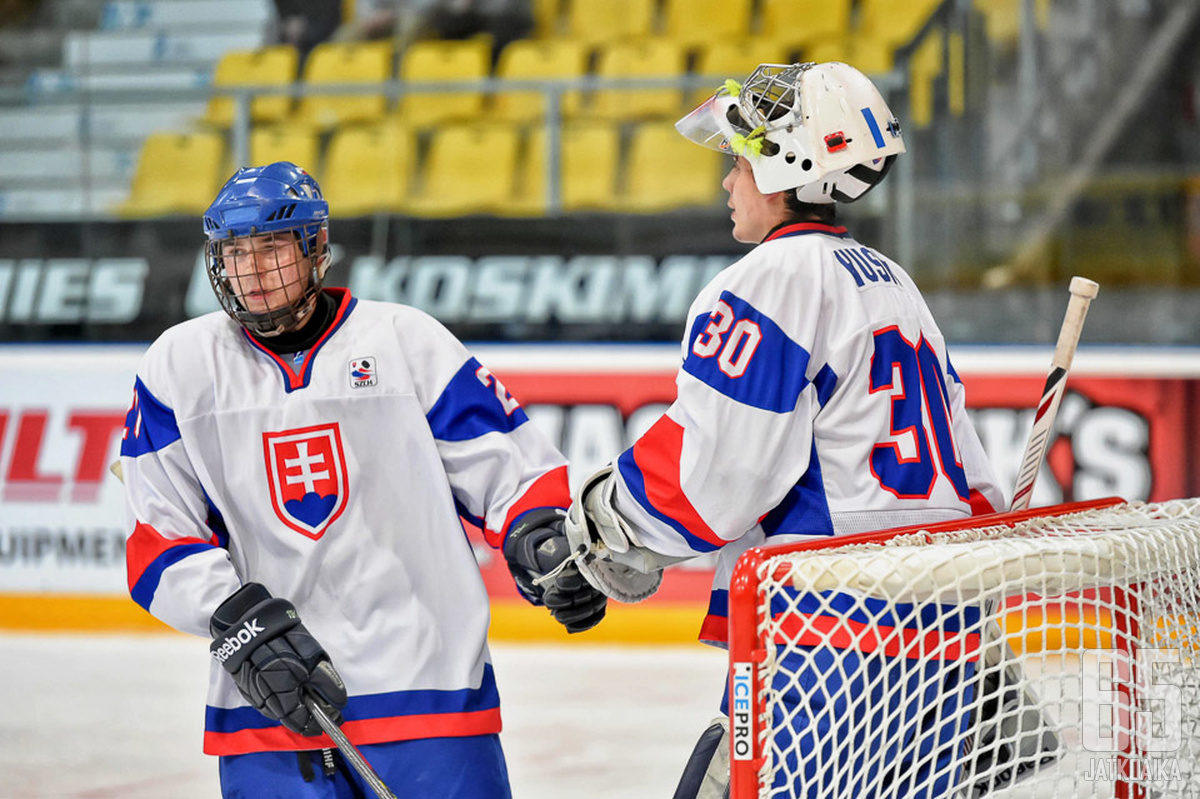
x,y
349,750
1019,739
1083,291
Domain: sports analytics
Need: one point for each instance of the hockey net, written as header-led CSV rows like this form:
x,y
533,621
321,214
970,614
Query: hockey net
x,y
1052,652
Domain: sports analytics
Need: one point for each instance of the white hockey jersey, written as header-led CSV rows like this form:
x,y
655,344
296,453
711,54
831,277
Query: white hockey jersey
x,y
815,399
335,478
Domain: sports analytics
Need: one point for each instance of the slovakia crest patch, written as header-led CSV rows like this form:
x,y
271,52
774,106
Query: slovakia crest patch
x,y
306,470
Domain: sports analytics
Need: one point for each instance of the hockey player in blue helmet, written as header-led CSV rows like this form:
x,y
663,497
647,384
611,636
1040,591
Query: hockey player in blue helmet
x,y
294,482
268,247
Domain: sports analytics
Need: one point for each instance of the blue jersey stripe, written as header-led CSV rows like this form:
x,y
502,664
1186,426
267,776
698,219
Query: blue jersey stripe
x,y
143,590
805,509
149,426
868,610
718,602
635,481
770,377
468,408
216,523
950,370
373,706
825,382
466,514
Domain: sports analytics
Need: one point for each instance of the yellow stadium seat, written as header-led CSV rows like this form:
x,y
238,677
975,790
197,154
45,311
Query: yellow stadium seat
x,y
802,22
547,18
862,52
270,66
176,173
369,168
598,21
894,23
450,60
346,62
1002,18
470,169
589,159
273,143
733,59
694,22
650,58
923,69
666,171
737,59
956,79
527,59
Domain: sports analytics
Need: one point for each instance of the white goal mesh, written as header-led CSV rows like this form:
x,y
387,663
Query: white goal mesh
x,y
1056,655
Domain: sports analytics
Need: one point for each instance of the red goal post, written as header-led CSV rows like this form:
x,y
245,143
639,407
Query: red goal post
x,y
1051,651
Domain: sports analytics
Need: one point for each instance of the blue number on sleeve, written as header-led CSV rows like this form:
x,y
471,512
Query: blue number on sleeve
x,y
922,384
938,400
912,477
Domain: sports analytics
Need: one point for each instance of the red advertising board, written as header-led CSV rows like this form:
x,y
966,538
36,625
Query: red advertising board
x,y
1127,427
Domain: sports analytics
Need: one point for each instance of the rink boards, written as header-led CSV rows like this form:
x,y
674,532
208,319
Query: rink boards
x,y
1128,427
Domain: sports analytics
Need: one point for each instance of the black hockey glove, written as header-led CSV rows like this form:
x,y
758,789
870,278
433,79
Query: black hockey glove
x,y
536,546
274,660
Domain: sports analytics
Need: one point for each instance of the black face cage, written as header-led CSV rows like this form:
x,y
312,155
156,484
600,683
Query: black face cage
x,y
288,315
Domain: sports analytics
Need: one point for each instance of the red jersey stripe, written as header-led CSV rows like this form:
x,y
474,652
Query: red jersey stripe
x,y
366,731
657,455
843,633
551,490
146,544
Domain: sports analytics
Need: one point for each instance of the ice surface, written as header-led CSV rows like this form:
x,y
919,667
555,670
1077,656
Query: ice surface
x,y
94,717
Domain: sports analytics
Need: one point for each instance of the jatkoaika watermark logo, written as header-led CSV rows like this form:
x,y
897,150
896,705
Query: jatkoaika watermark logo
x,y
1132,715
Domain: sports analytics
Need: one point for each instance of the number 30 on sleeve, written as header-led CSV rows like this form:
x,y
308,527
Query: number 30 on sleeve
x,y
737,349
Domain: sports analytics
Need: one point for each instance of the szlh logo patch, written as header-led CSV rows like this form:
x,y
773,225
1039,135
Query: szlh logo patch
x,y
306,473
362,372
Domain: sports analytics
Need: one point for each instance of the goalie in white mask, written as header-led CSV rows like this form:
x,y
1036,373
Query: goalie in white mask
x,y
815,397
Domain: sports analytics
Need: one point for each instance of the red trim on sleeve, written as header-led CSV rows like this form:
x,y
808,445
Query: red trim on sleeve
x,y
146,544
979,504
366,731
551,490
657,455
715,630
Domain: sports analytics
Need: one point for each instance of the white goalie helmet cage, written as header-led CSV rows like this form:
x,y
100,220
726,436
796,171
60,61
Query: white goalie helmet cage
x,y
823,130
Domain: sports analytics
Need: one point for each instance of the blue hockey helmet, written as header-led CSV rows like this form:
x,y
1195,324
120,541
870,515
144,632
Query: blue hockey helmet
x,y
255,210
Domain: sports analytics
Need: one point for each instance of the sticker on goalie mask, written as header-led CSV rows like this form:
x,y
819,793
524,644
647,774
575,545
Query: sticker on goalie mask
x,y
362,372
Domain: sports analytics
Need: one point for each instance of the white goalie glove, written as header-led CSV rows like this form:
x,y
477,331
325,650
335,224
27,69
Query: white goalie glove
x,y
607,550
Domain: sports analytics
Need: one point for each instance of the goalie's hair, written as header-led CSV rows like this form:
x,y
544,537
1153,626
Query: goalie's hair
x,y
809,212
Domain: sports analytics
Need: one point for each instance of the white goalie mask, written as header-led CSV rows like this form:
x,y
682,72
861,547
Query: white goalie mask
x,y
821,129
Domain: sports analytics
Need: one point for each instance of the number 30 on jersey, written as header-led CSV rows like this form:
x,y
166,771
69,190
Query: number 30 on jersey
x,y
921,384
736,349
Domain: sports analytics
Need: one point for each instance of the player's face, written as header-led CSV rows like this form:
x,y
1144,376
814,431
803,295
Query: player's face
x,y
754,213
267,272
